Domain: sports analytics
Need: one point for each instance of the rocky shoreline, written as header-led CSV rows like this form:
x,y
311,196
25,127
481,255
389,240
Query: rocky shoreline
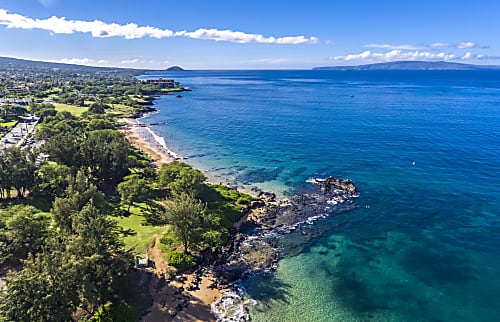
x,y
252,248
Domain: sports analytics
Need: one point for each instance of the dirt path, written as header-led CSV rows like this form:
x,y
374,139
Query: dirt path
x,y
158,257
173,299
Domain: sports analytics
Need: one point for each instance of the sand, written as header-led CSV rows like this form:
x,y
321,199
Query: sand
x,y
141,138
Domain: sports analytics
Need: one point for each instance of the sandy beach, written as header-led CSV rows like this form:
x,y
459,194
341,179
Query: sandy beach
x,y
144,139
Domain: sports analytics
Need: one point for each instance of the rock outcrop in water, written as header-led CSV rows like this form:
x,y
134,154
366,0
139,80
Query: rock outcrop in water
x,y
252,249
332,183
300,208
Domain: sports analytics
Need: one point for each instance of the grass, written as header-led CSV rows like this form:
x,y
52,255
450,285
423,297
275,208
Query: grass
x,y
138,234
75,110
10,123
119,110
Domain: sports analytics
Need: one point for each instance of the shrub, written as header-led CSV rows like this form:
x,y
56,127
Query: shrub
x,y
243,200
232,194
181,260
112,312
168,242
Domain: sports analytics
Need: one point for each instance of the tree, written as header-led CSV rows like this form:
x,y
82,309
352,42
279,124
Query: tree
x,y
97,258
5,177
132,189
184,213
181,178
98,108
105,153
80,266
123,312
100,124
52,180
64,148
17,170
79,193
42,291
25,230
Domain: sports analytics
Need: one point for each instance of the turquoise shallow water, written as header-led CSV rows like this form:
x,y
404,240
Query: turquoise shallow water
x,y
423,148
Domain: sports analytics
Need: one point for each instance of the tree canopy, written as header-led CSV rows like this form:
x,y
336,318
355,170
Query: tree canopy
x,y
181,178
133,189
79,265
17,171
184,213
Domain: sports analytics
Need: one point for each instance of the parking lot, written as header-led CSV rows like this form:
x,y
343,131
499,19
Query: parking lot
x,y
20,133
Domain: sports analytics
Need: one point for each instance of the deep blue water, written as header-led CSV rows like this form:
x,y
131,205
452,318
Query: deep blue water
x,y
423,148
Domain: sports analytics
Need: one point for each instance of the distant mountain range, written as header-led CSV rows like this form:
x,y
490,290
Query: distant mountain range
x,y
16,63
411,65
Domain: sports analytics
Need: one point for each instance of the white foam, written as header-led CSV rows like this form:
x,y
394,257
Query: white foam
x,y
231,307
161,141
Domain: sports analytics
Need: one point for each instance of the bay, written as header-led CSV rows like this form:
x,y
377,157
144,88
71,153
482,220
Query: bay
x,y
423,148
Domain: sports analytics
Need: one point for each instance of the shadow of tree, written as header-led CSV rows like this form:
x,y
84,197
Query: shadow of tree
x,y
126,232
268,290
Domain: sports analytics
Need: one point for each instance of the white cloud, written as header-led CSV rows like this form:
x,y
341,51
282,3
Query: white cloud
x,y
77,61
392,47
464,45
394,55
100,29
242,38
82,61
440,44
130,61
468,55
272,61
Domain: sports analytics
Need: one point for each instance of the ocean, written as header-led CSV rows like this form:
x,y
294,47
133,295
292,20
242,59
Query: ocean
x,y
423,148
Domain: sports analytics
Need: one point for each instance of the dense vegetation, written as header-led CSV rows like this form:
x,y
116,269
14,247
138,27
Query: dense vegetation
x,y
59,232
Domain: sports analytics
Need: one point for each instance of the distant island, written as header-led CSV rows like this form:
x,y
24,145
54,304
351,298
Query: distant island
x,y
411,65
175,69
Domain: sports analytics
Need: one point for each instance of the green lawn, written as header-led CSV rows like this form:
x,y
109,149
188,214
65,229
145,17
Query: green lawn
x,y
119,110
11,123
75,110
138,234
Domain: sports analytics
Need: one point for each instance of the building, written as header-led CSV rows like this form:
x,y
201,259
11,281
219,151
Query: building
x,y
16,101
16,89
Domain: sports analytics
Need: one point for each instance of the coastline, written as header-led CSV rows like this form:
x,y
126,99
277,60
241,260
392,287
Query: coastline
x,y
213,292
191,295
143,138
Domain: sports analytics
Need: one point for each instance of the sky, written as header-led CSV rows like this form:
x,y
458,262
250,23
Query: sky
x,y
249,34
